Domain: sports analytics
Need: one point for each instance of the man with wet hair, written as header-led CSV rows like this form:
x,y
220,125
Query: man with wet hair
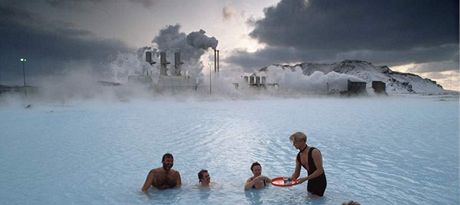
x,y
163,177
204,178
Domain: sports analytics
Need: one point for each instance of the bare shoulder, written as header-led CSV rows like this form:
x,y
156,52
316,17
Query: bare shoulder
x,y
175,172
249,179
155,171
267,179
316,152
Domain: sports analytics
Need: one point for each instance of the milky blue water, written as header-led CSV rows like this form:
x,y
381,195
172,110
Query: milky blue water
x,y
395,150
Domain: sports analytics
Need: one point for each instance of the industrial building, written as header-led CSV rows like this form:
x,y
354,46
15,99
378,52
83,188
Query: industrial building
x,y
171,77
355,88
379,87
255,79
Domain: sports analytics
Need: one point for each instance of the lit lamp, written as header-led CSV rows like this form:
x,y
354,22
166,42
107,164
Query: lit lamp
x,y
23,60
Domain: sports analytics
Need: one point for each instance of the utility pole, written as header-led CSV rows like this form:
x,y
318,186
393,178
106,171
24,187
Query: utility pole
x,y
23,60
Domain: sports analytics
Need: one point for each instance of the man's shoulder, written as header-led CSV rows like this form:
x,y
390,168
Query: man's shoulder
x,y
156,170
175,171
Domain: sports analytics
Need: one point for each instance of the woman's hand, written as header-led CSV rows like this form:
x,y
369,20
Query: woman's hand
x,y
302,180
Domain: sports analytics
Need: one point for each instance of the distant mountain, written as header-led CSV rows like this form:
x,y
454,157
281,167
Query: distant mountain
x,y
396,82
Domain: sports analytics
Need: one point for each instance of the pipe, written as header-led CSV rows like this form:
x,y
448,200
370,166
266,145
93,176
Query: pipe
x,y
218,59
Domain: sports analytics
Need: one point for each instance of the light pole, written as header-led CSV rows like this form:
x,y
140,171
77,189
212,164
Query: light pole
x,y
23,60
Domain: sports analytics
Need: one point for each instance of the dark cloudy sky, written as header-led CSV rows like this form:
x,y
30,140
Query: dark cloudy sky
x,y
390,31
419,36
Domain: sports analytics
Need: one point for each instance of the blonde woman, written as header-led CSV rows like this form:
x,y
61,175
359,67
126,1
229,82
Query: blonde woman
x,y
310,159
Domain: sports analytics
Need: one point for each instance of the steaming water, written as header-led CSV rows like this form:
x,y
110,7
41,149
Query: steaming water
x,y
401,150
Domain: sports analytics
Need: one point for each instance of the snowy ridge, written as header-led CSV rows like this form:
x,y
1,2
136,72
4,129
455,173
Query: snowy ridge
x,y
396,82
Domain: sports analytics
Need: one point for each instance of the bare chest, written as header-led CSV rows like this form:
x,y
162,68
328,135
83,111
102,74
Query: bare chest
x,y
304,159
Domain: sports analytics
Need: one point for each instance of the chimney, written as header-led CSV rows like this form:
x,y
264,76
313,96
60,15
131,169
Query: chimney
x,y
218,61
148,57
177,63
215,60
164,63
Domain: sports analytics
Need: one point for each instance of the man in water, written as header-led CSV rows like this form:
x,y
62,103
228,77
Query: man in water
x,y
204,178
163,177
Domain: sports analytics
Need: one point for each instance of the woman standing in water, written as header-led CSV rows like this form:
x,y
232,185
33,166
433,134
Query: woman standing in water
x,y
310,159
258,181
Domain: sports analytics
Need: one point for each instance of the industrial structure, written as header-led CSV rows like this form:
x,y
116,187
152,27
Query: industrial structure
x,y
256,80
379,87
216,60
355,88
171,77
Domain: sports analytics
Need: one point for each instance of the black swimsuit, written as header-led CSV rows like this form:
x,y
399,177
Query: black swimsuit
x,y
318,184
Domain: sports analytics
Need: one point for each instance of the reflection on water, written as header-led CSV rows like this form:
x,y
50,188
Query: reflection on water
x,y
166,196
253,197
374,151
205,192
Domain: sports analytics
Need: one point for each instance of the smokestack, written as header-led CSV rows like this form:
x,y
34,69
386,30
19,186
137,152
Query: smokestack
x,y
218,59
148,57
164,63
215,60
177,63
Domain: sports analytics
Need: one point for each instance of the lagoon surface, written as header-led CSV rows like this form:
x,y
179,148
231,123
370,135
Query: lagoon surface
x,y
394,150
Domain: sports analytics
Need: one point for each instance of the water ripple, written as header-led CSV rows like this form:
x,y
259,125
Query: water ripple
x,y
390,151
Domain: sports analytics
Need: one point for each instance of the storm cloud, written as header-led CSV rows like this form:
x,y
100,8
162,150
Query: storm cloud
x,y
49,47
389,32
72,3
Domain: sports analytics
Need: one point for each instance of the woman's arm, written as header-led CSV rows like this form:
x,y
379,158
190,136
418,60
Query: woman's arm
x,y
318,160
296,170
268,180
249,183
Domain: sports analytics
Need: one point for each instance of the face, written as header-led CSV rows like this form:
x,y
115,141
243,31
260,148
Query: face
x,y
257,170
206,179
168,163
298,144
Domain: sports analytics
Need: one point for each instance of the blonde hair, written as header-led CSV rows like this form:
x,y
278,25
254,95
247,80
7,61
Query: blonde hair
x,y
298,136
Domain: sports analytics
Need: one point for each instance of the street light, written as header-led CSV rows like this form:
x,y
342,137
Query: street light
x,y
23,60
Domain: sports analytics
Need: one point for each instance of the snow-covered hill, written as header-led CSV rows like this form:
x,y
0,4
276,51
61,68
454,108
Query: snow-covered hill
x,y
396,82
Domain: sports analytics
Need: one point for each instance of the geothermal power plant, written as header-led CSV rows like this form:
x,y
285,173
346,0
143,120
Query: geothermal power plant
x,y
176,70
171,76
